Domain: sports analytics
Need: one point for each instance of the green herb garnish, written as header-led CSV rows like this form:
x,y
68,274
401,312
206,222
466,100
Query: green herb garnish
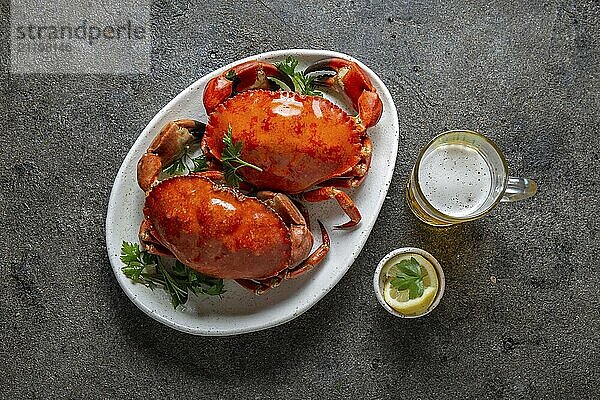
x,y
409,277
235,79
231,75
303,84
149,270
187,163
230,158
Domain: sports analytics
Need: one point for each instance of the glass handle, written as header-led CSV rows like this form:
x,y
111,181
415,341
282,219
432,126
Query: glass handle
x,y
519,189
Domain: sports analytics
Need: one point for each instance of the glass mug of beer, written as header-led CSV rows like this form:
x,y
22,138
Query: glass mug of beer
x,y
460,176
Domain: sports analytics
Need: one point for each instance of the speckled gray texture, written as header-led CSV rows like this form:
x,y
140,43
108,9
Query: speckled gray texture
x,y
525,73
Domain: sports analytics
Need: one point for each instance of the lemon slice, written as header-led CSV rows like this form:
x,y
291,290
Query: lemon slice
x,y
406,306
399,299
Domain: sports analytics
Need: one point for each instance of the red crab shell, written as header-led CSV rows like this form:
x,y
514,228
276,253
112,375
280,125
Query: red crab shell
x,y
298,140
216,230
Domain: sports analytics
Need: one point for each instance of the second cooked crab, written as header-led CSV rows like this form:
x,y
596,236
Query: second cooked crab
x,y
217,231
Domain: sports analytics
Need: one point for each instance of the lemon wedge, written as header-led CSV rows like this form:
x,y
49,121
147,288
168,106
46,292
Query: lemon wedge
x,y
399,300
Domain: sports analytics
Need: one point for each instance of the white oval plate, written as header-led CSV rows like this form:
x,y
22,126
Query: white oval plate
x,y
239,311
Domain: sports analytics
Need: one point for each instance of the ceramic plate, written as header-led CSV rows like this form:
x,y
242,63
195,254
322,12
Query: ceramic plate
x,y
239,311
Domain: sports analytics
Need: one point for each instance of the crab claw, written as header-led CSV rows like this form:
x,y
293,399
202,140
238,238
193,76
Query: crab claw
x,y
166,147
352,80
242,77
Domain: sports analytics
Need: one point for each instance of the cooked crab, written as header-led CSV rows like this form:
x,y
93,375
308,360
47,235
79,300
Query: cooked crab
x,y
217,231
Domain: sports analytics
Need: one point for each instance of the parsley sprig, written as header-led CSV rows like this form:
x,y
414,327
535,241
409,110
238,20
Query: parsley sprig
x,y
149,270
409,277
235,79
230,158
303,84
187,163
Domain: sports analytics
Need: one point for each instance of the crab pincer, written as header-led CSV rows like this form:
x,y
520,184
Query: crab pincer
x,y
167,146
352,80
242,77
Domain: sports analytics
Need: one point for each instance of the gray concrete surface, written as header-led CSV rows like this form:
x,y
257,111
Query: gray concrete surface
x,y
526,73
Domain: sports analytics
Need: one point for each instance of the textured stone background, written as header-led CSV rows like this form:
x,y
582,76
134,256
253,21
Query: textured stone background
x,y
526,73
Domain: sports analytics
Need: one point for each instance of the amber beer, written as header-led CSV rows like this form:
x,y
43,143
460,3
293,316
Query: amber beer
x,y
461,176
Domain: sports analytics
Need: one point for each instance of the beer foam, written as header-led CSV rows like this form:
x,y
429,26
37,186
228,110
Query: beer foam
x,y
455,179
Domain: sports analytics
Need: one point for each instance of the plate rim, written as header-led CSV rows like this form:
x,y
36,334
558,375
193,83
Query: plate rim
x,y
151,124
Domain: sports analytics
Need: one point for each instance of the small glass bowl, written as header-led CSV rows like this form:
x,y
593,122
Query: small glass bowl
x,y
378,280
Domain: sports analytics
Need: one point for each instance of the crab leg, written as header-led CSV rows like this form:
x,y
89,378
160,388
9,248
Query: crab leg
x,y
302,240
314,259
242,77
261,286
166,147
330,192
352,80
355,176
302,208
284,207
